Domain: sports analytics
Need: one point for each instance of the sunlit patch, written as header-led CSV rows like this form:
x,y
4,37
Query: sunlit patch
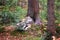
x,y
58,24
54,38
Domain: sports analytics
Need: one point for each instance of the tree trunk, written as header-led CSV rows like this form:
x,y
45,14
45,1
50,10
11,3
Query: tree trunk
x,y
33,10
51,17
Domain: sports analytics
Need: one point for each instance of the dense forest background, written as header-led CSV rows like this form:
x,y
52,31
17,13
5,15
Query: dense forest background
x,y
16,7
12,11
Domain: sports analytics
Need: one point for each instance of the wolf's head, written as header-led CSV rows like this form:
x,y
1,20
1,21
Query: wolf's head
x,y
25,23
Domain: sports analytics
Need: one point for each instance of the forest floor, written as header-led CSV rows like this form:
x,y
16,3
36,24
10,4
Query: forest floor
x,y
32,34
7,36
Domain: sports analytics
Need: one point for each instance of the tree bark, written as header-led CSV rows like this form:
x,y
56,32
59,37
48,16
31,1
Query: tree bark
x,y
33,10
51,17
